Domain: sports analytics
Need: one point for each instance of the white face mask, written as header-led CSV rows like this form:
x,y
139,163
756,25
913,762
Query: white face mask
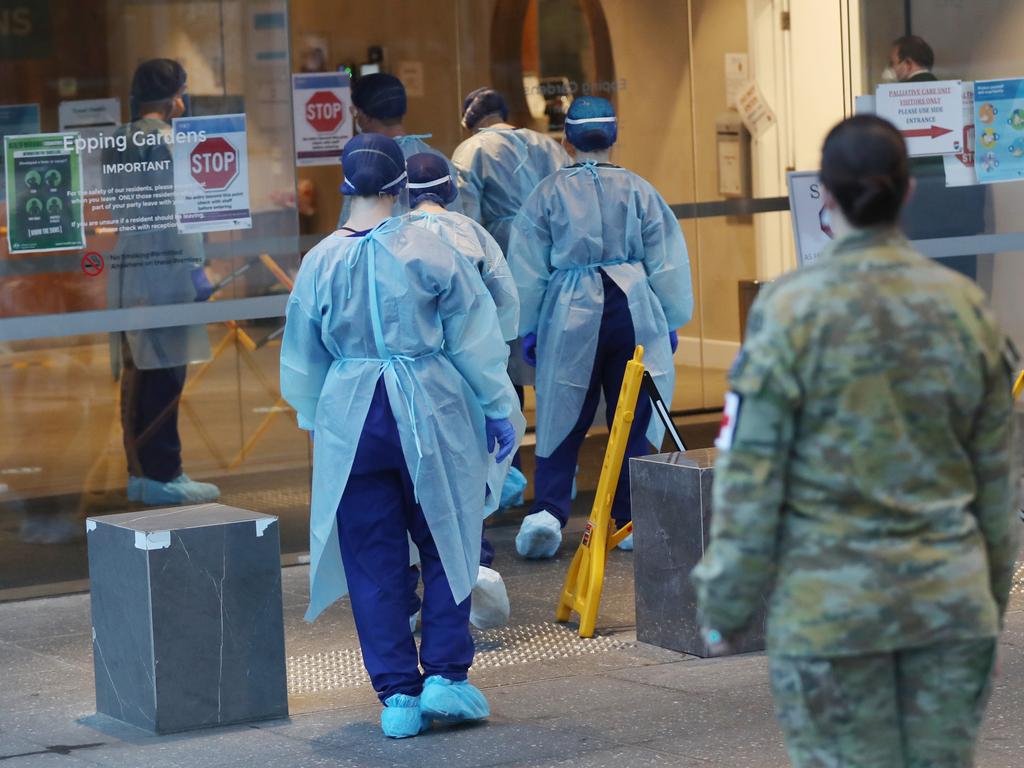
x,y
889,75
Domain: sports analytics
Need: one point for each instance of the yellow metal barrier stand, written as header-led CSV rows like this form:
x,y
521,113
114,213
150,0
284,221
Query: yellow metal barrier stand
x,y
1018,385
585,580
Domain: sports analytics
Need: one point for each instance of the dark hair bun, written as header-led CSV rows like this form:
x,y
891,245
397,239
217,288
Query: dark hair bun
x,y
864,165
878,196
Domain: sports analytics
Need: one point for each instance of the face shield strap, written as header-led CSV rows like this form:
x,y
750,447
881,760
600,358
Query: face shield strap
x,y
399,180
583,120
430,184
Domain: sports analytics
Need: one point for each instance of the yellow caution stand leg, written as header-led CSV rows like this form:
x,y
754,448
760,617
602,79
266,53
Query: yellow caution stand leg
x,y
585,580
1018,385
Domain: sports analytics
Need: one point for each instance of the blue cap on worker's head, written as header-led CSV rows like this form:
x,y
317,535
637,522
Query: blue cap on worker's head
x,y
373,165
430,178
480,103
590,125
380,96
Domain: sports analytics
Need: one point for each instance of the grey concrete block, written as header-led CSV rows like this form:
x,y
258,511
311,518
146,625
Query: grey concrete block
x,y
186,615
671,499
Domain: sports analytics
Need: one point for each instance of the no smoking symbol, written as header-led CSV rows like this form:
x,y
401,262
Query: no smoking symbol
x,y
92,263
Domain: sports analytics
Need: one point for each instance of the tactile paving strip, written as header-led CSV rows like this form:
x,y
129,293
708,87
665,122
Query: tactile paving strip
x,y
1018,580
316,672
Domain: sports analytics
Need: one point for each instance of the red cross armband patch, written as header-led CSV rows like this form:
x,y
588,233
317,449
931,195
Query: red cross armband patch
x,y
730,419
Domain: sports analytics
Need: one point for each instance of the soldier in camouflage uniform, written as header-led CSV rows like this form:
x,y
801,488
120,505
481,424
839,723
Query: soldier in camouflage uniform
x,y
866,470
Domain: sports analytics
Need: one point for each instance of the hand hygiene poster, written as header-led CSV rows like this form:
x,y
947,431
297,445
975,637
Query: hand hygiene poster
x,y
211,174
999,130
43,178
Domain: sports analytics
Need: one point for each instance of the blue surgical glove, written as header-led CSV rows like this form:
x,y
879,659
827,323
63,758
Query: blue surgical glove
x,y
204,289
502,431
530,349
673,340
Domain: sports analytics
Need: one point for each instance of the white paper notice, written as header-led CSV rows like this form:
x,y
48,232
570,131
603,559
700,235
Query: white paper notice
x,y
754,110
90,118
930,115
323,120
737,74
810,219
960,170
211,173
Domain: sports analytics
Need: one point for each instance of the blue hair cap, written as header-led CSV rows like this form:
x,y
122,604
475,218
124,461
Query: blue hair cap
x,y
380,95
591,124
430,179
482,102
373,165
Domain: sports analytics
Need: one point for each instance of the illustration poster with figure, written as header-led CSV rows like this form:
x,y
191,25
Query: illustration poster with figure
x,y
999,130
43,178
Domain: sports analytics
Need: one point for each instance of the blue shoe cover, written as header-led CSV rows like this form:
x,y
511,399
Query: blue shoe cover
x,y
539,536
402,717
180,490
626,545
512,489
451,701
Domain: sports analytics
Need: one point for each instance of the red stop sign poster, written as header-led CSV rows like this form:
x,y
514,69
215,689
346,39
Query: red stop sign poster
x,y
325,112
213,163
320,112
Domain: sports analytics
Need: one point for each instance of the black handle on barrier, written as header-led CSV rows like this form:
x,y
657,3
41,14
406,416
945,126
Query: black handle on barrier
x,y
662,411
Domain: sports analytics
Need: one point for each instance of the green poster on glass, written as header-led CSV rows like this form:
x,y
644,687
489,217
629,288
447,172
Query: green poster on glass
x,y
44,193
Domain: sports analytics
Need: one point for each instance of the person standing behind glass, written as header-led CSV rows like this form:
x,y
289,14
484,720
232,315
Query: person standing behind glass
x,y
935,210
152,266
865,471
498,167
601,266
379,104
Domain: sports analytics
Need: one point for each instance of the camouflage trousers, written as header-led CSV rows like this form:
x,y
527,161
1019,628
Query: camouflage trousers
x,y
908,709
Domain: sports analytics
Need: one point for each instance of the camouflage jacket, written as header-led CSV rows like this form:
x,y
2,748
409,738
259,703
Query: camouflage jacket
x,y
869,471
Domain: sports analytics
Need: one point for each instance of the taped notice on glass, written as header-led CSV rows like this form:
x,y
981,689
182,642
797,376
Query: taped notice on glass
x,y
323,124
754,110
43,176
211,174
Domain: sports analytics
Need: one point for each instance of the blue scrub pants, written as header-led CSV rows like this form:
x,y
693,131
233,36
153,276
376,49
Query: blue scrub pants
x,y
616,344
377,513
149,417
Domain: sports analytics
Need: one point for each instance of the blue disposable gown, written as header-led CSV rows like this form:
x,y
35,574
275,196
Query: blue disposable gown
x,y
497,169
577,222
410,144
397,303
476,244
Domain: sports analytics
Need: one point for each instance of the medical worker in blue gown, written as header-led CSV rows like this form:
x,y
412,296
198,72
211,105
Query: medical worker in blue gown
x,y
498,167
601,266
432,189
379,104
393,358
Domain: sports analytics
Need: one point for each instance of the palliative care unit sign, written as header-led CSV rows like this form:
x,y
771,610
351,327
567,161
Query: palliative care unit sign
x,y
211,174
999,130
